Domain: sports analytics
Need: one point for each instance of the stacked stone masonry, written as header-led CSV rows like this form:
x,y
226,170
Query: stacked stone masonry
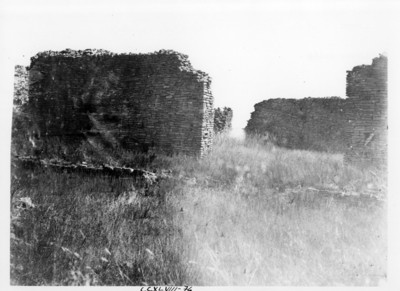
x,y
223,120
138,102
309,123
367,125
356,126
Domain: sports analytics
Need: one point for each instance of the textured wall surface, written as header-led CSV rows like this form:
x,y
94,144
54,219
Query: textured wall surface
x,y
309,123
148,101
222,119
20,120
367,126
356,125
20,86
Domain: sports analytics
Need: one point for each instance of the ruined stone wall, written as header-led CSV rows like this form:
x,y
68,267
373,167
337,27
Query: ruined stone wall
x,y
20,86
356,125
309,123
20,120
140,102
222,119
367,126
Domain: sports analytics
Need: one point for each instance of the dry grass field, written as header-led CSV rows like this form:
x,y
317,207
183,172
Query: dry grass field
x,y
248,213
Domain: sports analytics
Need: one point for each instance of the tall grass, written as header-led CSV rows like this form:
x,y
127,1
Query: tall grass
x,y
248,213
257,214
93,230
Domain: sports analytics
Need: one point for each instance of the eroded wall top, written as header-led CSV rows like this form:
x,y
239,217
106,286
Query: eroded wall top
x,y
309,123
367,128
356,125
136,101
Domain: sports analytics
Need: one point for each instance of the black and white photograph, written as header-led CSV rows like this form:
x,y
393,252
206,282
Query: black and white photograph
x,y
174,145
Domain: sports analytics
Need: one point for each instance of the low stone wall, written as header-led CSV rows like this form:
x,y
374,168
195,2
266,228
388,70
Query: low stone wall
x,y
140,102
309,123
88,169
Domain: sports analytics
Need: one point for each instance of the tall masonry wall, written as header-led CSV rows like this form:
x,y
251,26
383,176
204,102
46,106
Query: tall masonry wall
x,y
367,125
309,123
139,102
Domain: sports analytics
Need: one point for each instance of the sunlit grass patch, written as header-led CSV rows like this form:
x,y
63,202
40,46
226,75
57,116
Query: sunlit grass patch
x,y
270,216
275,242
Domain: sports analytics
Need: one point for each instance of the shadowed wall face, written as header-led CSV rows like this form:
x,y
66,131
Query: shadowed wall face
x,y
367,125
139,102
309,123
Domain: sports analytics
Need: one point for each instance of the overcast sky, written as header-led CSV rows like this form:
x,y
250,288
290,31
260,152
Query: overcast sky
x,y
253,50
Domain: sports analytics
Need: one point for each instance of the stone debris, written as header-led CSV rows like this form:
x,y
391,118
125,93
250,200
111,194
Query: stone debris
x,y
84,168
